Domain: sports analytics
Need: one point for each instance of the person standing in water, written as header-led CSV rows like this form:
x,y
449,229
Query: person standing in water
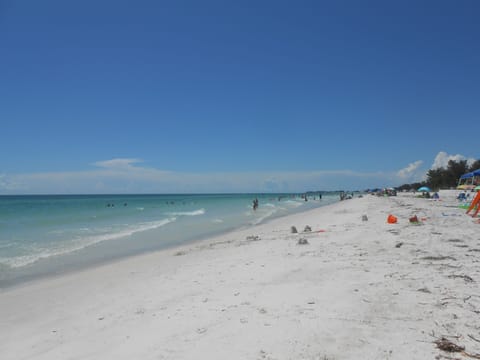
x,y
255,204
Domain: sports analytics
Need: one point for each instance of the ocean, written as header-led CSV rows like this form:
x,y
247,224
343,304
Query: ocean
x,y
46,235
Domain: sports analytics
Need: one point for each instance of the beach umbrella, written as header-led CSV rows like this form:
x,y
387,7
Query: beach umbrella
x,y
424,188
477,188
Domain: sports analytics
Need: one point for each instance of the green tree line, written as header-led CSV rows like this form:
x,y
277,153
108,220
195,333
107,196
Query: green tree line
x,y
444,178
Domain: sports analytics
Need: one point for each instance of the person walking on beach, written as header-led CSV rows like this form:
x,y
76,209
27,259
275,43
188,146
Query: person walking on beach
x,y
255,204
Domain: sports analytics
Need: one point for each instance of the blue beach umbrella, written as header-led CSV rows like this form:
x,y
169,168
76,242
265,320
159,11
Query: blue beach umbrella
x,y
424,188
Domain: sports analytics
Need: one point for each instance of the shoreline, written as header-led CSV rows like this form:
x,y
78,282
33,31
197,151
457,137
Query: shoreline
x,y
60,265
357,289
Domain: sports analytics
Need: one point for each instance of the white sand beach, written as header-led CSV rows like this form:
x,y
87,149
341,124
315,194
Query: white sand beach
x,y
357,290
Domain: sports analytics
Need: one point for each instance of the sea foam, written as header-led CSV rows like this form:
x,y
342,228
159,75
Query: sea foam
x,y
78,243
187,213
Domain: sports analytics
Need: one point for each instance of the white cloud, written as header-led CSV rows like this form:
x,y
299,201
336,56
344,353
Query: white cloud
x,y
120,163
8,183
125,175
442,159
410,171
149,180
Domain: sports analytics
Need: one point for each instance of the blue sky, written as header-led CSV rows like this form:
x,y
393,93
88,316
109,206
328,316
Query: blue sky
x,y
222,96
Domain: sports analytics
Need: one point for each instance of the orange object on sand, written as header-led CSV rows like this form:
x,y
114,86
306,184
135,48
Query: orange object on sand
x,y
475,202
391,219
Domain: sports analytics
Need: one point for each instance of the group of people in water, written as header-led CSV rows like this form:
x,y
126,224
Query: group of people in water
x,y
303,196
113,205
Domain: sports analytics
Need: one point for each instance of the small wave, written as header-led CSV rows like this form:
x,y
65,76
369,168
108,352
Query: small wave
x,y
187,213
217,221
294,203
263,215
152,225
140,208
7,246
64,231
79,244
19,261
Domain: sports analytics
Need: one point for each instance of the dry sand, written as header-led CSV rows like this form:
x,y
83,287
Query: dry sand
x,y
357,290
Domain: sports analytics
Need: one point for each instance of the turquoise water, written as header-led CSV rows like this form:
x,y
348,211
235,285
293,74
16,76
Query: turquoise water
x,y
44,235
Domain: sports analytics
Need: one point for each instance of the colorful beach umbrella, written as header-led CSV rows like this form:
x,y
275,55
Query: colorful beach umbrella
x,y
424,188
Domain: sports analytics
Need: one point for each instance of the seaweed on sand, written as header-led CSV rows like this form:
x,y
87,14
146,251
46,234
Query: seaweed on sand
x,y
448,346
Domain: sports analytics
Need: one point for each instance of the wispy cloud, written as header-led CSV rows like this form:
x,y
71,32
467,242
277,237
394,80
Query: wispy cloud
x,y
120,163
412,172
8,183
127,175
